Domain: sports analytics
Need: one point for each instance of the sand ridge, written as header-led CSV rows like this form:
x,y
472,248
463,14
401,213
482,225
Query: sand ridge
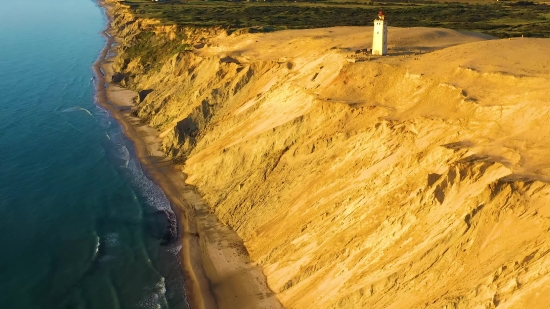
x,y
296,44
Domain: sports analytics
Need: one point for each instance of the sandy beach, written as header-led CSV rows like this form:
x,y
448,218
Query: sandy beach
x,y
217,270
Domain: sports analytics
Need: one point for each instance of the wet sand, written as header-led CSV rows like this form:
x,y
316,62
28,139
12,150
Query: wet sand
x,y
217,270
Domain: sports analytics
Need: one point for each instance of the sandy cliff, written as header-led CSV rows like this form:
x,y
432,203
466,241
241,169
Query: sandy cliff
x,y
408,181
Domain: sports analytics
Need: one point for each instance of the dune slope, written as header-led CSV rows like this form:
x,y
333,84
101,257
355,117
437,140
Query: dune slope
x,y
414,180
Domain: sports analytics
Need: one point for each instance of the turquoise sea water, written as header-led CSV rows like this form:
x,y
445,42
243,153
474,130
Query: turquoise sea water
x,y
81,226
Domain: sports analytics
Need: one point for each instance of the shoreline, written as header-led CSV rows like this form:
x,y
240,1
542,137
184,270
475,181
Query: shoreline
x,y
194,288
216,268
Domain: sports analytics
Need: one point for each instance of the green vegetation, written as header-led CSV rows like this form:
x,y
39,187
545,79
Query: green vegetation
x,y
501,19
153,50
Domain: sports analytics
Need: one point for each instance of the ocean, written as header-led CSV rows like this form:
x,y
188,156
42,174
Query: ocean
x,y
81,226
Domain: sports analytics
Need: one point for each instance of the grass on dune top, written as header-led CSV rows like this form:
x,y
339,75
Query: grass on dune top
x,y
501,19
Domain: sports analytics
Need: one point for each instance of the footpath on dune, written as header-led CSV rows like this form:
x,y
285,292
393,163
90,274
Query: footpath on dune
x,y
414,180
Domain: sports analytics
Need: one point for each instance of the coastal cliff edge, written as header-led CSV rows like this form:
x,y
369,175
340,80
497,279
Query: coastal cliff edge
x,y
414,180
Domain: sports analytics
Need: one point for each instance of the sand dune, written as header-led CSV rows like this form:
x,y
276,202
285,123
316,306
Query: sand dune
x,y
413,180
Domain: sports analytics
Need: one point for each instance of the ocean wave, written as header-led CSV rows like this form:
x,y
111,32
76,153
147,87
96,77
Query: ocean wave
x,y
111,239
154,197
96,250
175,248
156,297
104,122
161,286
76,108
103,117
123,153
121,148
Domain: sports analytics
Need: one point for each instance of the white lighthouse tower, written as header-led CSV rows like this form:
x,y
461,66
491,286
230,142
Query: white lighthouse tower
x,y
380,36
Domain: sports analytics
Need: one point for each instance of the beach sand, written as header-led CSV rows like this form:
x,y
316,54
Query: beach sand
x,y
217,270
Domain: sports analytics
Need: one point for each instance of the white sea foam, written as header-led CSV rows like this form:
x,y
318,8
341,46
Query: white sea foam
x,y
154,196
103,112
161,286
175,248
123,153
96,247
103,117
152,300
148,189
122,149
76,108
156,297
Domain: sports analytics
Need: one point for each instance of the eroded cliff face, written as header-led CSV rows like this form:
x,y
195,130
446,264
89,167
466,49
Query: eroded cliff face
x,y
408,181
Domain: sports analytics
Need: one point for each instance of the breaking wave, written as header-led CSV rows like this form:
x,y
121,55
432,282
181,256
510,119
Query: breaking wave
x,y
76,108
155,297
96,250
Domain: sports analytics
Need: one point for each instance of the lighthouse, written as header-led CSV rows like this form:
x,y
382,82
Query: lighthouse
x,y
380,36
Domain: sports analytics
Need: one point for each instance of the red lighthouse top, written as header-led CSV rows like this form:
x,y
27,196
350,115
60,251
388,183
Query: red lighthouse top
x,y
381,15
